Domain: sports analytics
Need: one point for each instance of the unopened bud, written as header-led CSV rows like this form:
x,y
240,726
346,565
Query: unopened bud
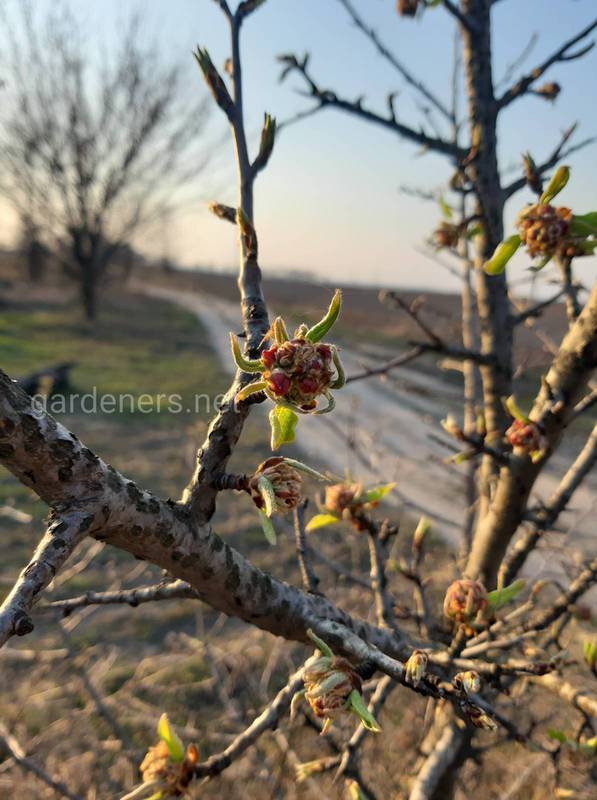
x,y
469,681
416,667
421,531
549,90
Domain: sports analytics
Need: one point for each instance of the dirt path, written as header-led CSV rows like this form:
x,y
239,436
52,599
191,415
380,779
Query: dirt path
x,y
382,431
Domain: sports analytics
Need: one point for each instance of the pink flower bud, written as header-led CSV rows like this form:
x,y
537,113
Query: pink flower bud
x,y
525,435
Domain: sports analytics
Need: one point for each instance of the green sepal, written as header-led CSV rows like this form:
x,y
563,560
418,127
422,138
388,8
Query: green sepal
x,y
170,739
500,597
357,706
246,364
323,648
502,254
321,521
249,389
267,492
268,528
283,422
557,182
514,409
317,332
340,375
292,462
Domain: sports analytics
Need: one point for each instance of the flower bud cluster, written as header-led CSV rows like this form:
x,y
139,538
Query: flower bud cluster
x,y
285,481
543,228
464,600
298,371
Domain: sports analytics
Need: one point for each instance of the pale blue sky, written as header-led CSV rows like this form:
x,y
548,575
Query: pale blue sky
x,y
329,201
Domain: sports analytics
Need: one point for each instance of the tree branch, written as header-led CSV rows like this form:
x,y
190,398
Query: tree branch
x,y
17,752
548,515
393,60
328,99
562,388
560,55
57,544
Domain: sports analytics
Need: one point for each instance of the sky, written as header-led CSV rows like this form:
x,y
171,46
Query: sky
x,y
329,202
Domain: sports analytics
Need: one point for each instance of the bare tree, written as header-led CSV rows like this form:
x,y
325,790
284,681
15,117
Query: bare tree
x,y
468,660
93,146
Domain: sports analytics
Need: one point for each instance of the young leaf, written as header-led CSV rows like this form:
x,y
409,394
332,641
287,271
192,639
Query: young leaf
x,y
374,495
283,423
445,207
358,707
268,528
171,739
584,224
557,182
500,597
317,332
321,521
558,736
503,253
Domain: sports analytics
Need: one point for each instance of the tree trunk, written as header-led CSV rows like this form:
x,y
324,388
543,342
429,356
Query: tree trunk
x,y
88,287
492,291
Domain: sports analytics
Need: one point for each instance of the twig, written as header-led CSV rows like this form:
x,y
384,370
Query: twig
x,y
577,697
310,579
384,604
17,752
561,54
131,597
537,309
329,99
393,60
268,719
399,361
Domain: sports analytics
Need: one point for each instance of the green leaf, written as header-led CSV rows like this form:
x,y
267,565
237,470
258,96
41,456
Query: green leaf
x,y
357,705
557,182
171,739
445,207
375,494
156,795
500,597
584,224
558,736
317,332
283,423
503,253
589,650
321,521
268,528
